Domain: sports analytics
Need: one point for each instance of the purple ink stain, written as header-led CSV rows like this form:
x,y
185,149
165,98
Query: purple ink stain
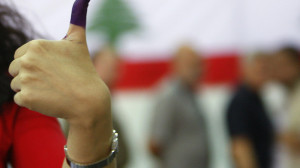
x,y
79,12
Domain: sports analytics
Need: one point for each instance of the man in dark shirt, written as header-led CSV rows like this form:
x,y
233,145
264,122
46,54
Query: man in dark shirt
x,y
249,126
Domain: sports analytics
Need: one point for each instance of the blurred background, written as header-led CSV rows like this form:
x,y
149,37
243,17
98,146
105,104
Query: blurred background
x,y
145,35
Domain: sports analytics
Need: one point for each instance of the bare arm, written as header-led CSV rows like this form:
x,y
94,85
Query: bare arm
x,y
58,79
154,148
292,141
91,142
243,153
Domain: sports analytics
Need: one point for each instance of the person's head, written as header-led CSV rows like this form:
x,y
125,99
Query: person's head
x,y
287,66
107,64
12,36
256,69
187,65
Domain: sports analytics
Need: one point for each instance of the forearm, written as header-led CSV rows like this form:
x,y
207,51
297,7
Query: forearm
x,y
154,148
58,79
245,160
292,141
243,154
90,140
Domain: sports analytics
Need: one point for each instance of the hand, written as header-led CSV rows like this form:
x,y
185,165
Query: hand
x,y
57,78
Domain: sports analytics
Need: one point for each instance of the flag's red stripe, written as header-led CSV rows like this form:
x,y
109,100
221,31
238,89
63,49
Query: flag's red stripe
x,y
219,68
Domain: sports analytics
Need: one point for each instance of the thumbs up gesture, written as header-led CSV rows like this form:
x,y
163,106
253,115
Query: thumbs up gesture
x,y
57,78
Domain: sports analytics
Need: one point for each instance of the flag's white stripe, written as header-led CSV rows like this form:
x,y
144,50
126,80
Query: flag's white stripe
x,y
210,25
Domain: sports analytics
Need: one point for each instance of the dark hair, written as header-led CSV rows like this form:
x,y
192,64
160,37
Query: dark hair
x,y
12,36
292,53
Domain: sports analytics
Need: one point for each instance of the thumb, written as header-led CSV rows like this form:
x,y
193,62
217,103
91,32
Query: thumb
x,y
76,30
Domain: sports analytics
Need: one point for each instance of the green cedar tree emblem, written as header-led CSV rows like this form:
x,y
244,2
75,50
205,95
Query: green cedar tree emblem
x,y
113,19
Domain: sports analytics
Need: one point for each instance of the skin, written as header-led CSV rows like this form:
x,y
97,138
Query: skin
x,y
108,65
292,141
57,78
287,72
242,152
155,148
187,66
256,74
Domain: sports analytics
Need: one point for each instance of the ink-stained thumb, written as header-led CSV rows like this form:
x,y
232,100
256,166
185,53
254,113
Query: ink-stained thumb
x,y
77,27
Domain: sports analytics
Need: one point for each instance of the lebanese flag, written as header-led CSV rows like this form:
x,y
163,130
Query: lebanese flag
x,y
220,30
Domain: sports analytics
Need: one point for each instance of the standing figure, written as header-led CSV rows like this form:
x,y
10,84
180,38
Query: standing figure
x,y
250,128
287,72
179,135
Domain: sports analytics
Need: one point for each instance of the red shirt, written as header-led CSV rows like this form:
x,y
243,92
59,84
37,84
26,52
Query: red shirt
x,y
29,139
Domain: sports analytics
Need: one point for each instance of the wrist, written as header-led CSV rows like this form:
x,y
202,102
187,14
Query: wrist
x,y
100,163
90,125
87,145
90,138
93,109
91,105
91,120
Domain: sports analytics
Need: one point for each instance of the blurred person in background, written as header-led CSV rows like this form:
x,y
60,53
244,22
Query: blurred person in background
x,y
107,64
250,128
287,72
179,135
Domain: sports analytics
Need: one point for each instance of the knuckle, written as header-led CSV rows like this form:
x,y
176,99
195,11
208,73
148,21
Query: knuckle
x,y
13,84
17,99
38,48
38,43
17,53
21,51
24,63
26,99
27,62
11,68
35,45
24,79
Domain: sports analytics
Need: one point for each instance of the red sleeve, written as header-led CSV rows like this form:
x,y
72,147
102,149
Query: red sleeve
x,y
38,141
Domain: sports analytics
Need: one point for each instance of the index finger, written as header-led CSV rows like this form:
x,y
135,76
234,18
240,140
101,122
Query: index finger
x,y
14,67
21,51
